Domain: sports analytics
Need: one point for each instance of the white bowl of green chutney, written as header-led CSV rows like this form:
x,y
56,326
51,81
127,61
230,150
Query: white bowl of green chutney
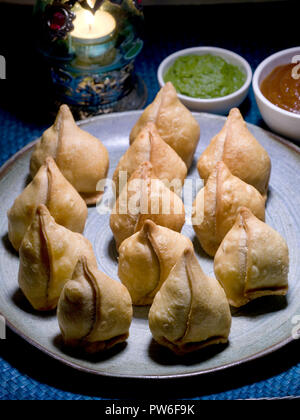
x,y
207,79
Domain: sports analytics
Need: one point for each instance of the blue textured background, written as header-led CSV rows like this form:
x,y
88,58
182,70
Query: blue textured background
x,y
254,31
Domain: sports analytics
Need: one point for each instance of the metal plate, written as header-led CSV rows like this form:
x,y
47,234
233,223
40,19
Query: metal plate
x,y
259,328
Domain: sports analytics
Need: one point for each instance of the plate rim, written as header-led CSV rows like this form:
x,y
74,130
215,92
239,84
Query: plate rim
x,y
271,349
80,368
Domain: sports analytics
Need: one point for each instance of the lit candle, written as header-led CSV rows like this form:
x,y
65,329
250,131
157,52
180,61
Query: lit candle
x,y
92,28
93,37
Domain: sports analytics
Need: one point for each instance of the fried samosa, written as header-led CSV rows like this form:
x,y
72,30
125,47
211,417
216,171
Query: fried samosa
x,y
175,123
252,260
240,151
190,311
51,188
48,256
217,204
149,146
80,156
94,311
145,197
146,259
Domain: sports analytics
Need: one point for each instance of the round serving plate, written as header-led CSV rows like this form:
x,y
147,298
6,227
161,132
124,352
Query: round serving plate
x,y
258,328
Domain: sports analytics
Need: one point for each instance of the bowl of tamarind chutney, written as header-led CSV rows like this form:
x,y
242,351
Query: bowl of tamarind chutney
x,y
276,85
282,87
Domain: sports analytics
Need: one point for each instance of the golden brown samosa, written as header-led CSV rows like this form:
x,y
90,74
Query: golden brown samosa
x,y
48,187
190,311
217,204
146,259
252,260
149,146
175,123
94,311
145,197
48,256
80,156
236,146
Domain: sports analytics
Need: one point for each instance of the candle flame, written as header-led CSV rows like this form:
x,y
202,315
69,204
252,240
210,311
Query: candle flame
x,y
89,17
91,3
92,26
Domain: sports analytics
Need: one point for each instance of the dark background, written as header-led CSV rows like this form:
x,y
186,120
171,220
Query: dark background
x,y
253,30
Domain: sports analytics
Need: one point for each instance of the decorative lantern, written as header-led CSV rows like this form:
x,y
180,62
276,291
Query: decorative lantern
x,y
90,47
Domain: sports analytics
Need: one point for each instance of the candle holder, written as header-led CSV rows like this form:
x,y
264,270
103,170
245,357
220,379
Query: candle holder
x,y
90,47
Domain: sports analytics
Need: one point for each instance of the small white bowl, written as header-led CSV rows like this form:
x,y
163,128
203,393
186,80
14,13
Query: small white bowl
x,y
279,120
218,105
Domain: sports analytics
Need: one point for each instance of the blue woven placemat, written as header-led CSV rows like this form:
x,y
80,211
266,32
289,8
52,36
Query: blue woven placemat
x,y
26,373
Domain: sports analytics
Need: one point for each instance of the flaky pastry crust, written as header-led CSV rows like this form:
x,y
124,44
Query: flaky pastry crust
x,y
149,146
48,256
190,311
236,146
145,197
217,204
175,123
48,187
146,259
94,311
252,260
80,156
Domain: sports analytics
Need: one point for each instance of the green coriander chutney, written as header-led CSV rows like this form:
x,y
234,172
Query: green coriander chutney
x,y
204,76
